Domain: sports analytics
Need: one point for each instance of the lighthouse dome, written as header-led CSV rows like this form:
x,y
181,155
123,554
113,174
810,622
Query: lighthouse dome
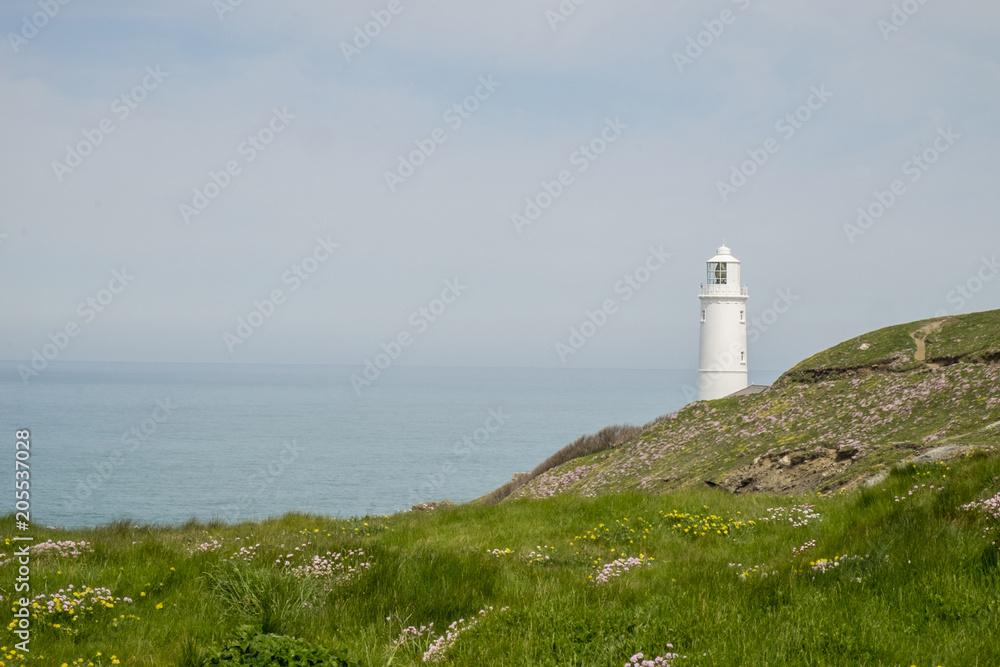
x,y
724,272
724,255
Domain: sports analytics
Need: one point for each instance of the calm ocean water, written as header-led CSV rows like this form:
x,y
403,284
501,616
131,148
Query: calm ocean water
x,y
162,443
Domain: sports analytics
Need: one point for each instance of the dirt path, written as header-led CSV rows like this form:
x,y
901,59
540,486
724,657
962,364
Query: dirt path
x,y
920,338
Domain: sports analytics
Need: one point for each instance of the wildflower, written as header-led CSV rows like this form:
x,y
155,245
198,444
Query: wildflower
x,y
439,647
638,660
617,568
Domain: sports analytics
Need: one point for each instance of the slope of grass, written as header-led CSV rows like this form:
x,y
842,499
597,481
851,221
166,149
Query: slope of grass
x,y
877,404
974,337
876,349
908,578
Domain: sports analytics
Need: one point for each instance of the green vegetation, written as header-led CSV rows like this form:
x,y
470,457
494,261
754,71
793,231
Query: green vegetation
x,y
620,551
971,338
897,574
868,401
872,351
251,647
974,337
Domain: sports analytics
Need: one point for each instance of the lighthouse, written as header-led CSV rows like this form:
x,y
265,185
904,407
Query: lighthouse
x,y
722,365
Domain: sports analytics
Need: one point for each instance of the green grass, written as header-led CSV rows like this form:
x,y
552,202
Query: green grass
x,y
972,337
923,590
884,345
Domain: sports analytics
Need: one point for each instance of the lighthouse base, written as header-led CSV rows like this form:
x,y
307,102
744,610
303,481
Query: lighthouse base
x,y
719,384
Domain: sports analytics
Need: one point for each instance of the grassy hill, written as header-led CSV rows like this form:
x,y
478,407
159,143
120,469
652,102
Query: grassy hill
x,y
833,421
628,551
897,574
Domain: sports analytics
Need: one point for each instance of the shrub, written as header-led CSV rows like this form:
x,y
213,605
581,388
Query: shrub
x,y
255,649
606,438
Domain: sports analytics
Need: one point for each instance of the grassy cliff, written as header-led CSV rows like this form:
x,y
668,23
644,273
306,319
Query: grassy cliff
x,y
833,421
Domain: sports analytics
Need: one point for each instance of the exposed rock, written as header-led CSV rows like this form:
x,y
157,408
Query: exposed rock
x,y
824,452
793,459
942,453
430,507
845,452
801,471
877,479
796,471
717,486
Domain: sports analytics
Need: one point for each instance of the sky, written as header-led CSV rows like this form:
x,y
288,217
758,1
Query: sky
x,y
262,182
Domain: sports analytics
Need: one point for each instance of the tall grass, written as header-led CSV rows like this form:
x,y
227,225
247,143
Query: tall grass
x,y
261,596
920,584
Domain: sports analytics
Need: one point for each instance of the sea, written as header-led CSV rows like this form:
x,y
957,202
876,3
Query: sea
x,y
164,443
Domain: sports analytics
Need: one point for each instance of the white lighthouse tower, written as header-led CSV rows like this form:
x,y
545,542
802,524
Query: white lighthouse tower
x,y
722,367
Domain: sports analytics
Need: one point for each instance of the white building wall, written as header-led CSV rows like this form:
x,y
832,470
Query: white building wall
x,y
723,361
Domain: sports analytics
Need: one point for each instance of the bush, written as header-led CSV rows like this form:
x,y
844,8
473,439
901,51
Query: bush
x,y
605,439
251,647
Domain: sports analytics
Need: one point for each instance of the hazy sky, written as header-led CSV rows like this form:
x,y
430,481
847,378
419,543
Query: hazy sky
x,y
113,114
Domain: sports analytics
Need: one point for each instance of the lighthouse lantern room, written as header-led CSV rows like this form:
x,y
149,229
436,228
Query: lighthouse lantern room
x,y
722,367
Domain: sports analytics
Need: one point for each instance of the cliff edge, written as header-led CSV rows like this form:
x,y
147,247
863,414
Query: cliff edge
x,y
926,390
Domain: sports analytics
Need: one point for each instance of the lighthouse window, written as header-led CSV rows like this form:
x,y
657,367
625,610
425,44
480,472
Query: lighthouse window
x,y
717,273
743,357
703,316
743,318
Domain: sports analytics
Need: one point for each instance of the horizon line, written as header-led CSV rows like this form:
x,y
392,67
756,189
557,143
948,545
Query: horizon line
x,y
334,365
